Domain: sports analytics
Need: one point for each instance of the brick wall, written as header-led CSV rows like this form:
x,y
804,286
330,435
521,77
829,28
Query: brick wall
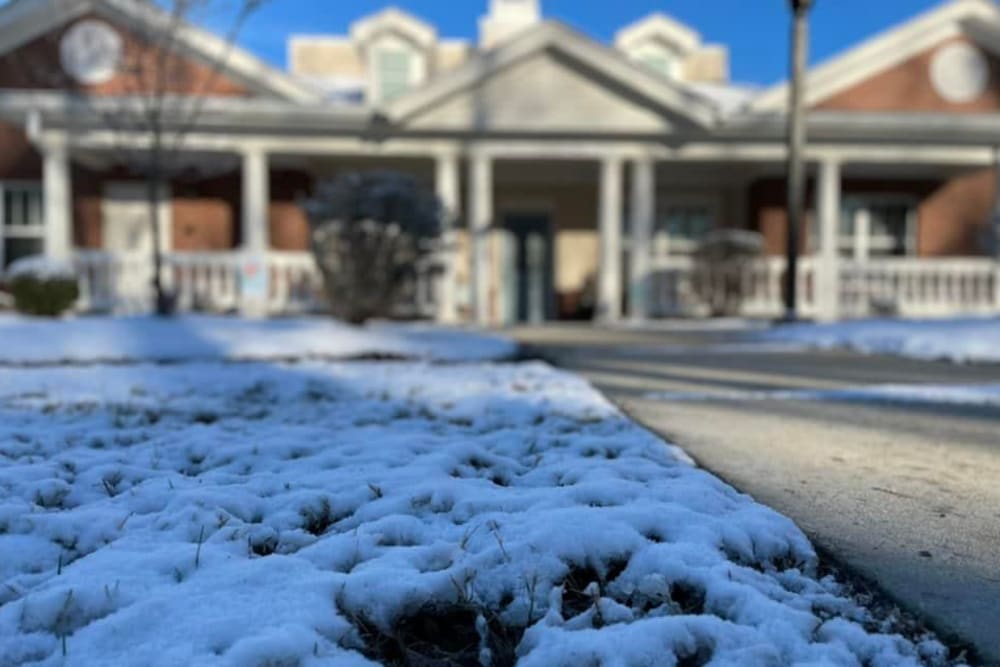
x,y
36,65
908,87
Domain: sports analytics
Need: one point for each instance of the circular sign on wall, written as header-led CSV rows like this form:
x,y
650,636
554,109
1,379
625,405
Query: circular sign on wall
x,y
960,73
91,52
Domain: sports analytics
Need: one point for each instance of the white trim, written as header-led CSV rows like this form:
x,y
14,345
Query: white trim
x,y
860,242
883,51
394,20
23,21
660,28
556,36
36,231
562,149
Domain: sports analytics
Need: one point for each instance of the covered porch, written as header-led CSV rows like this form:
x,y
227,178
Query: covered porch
x,y
586,203
549,229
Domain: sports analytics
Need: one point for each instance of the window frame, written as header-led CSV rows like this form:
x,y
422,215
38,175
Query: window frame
x,y
859,246
676,245
383,51
643,54
418,56
32,231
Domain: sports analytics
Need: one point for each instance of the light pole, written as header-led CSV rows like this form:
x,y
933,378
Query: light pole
x,y
796,150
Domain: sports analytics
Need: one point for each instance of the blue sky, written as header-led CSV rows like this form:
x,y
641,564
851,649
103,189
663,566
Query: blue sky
x,y
755,30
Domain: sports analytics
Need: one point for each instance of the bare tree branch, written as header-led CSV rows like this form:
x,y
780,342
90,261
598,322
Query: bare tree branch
x,y
152,101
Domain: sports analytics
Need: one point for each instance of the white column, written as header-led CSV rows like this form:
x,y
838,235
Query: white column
x,y
862,232
57,192
254,271
447,186
643,211
995,223
256,200
827,283
609,287
480,220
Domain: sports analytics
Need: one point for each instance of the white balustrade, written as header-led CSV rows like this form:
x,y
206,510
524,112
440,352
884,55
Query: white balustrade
x,y
210,282
919,287
907,287
674,294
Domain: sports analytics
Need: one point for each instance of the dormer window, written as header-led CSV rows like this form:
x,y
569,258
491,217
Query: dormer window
x,y
394,73
398,53
672,50
659,61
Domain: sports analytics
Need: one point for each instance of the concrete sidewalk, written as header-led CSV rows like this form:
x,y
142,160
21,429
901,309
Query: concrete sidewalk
x,y
905,495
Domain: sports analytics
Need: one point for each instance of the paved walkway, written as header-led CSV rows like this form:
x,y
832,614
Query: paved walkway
x,y
908,496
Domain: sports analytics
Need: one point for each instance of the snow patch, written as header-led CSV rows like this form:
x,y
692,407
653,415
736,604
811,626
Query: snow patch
x,y
251,514
89,339
980,395
973,339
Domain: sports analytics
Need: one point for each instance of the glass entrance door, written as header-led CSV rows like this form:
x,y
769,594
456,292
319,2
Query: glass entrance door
x,y
529,268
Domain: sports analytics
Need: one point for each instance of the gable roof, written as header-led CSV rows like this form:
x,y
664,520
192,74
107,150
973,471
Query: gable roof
x,y
24,20
552,35
887,49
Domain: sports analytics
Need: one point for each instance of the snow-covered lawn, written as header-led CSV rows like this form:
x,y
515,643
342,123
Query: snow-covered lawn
x,y
325,512
961,340
86,339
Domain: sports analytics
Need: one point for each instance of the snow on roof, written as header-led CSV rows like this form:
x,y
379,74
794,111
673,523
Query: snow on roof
x,y
727,97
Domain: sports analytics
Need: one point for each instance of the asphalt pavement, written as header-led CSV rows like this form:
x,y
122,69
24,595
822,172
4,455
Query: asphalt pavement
x,y
906,495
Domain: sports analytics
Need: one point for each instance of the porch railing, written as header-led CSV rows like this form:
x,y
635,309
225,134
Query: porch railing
x,y
906,287
674,293
917,287
211,282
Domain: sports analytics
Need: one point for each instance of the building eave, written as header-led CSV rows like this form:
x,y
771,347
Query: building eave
x,y
907,127
231,115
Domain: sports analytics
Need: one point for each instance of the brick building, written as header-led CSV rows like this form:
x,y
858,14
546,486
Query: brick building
x,y
578,175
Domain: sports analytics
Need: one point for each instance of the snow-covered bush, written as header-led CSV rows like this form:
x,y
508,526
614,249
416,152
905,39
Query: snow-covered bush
x,y
42,286
722,261
369,232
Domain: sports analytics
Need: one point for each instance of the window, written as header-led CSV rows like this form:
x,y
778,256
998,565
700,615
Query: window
x,y
395,73
659,63
22,216
681,226
879,226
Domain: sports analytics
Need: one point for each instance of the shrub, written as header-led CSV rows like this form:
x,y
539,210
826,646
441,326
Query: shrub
x,y
369,232
41,286
722,264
